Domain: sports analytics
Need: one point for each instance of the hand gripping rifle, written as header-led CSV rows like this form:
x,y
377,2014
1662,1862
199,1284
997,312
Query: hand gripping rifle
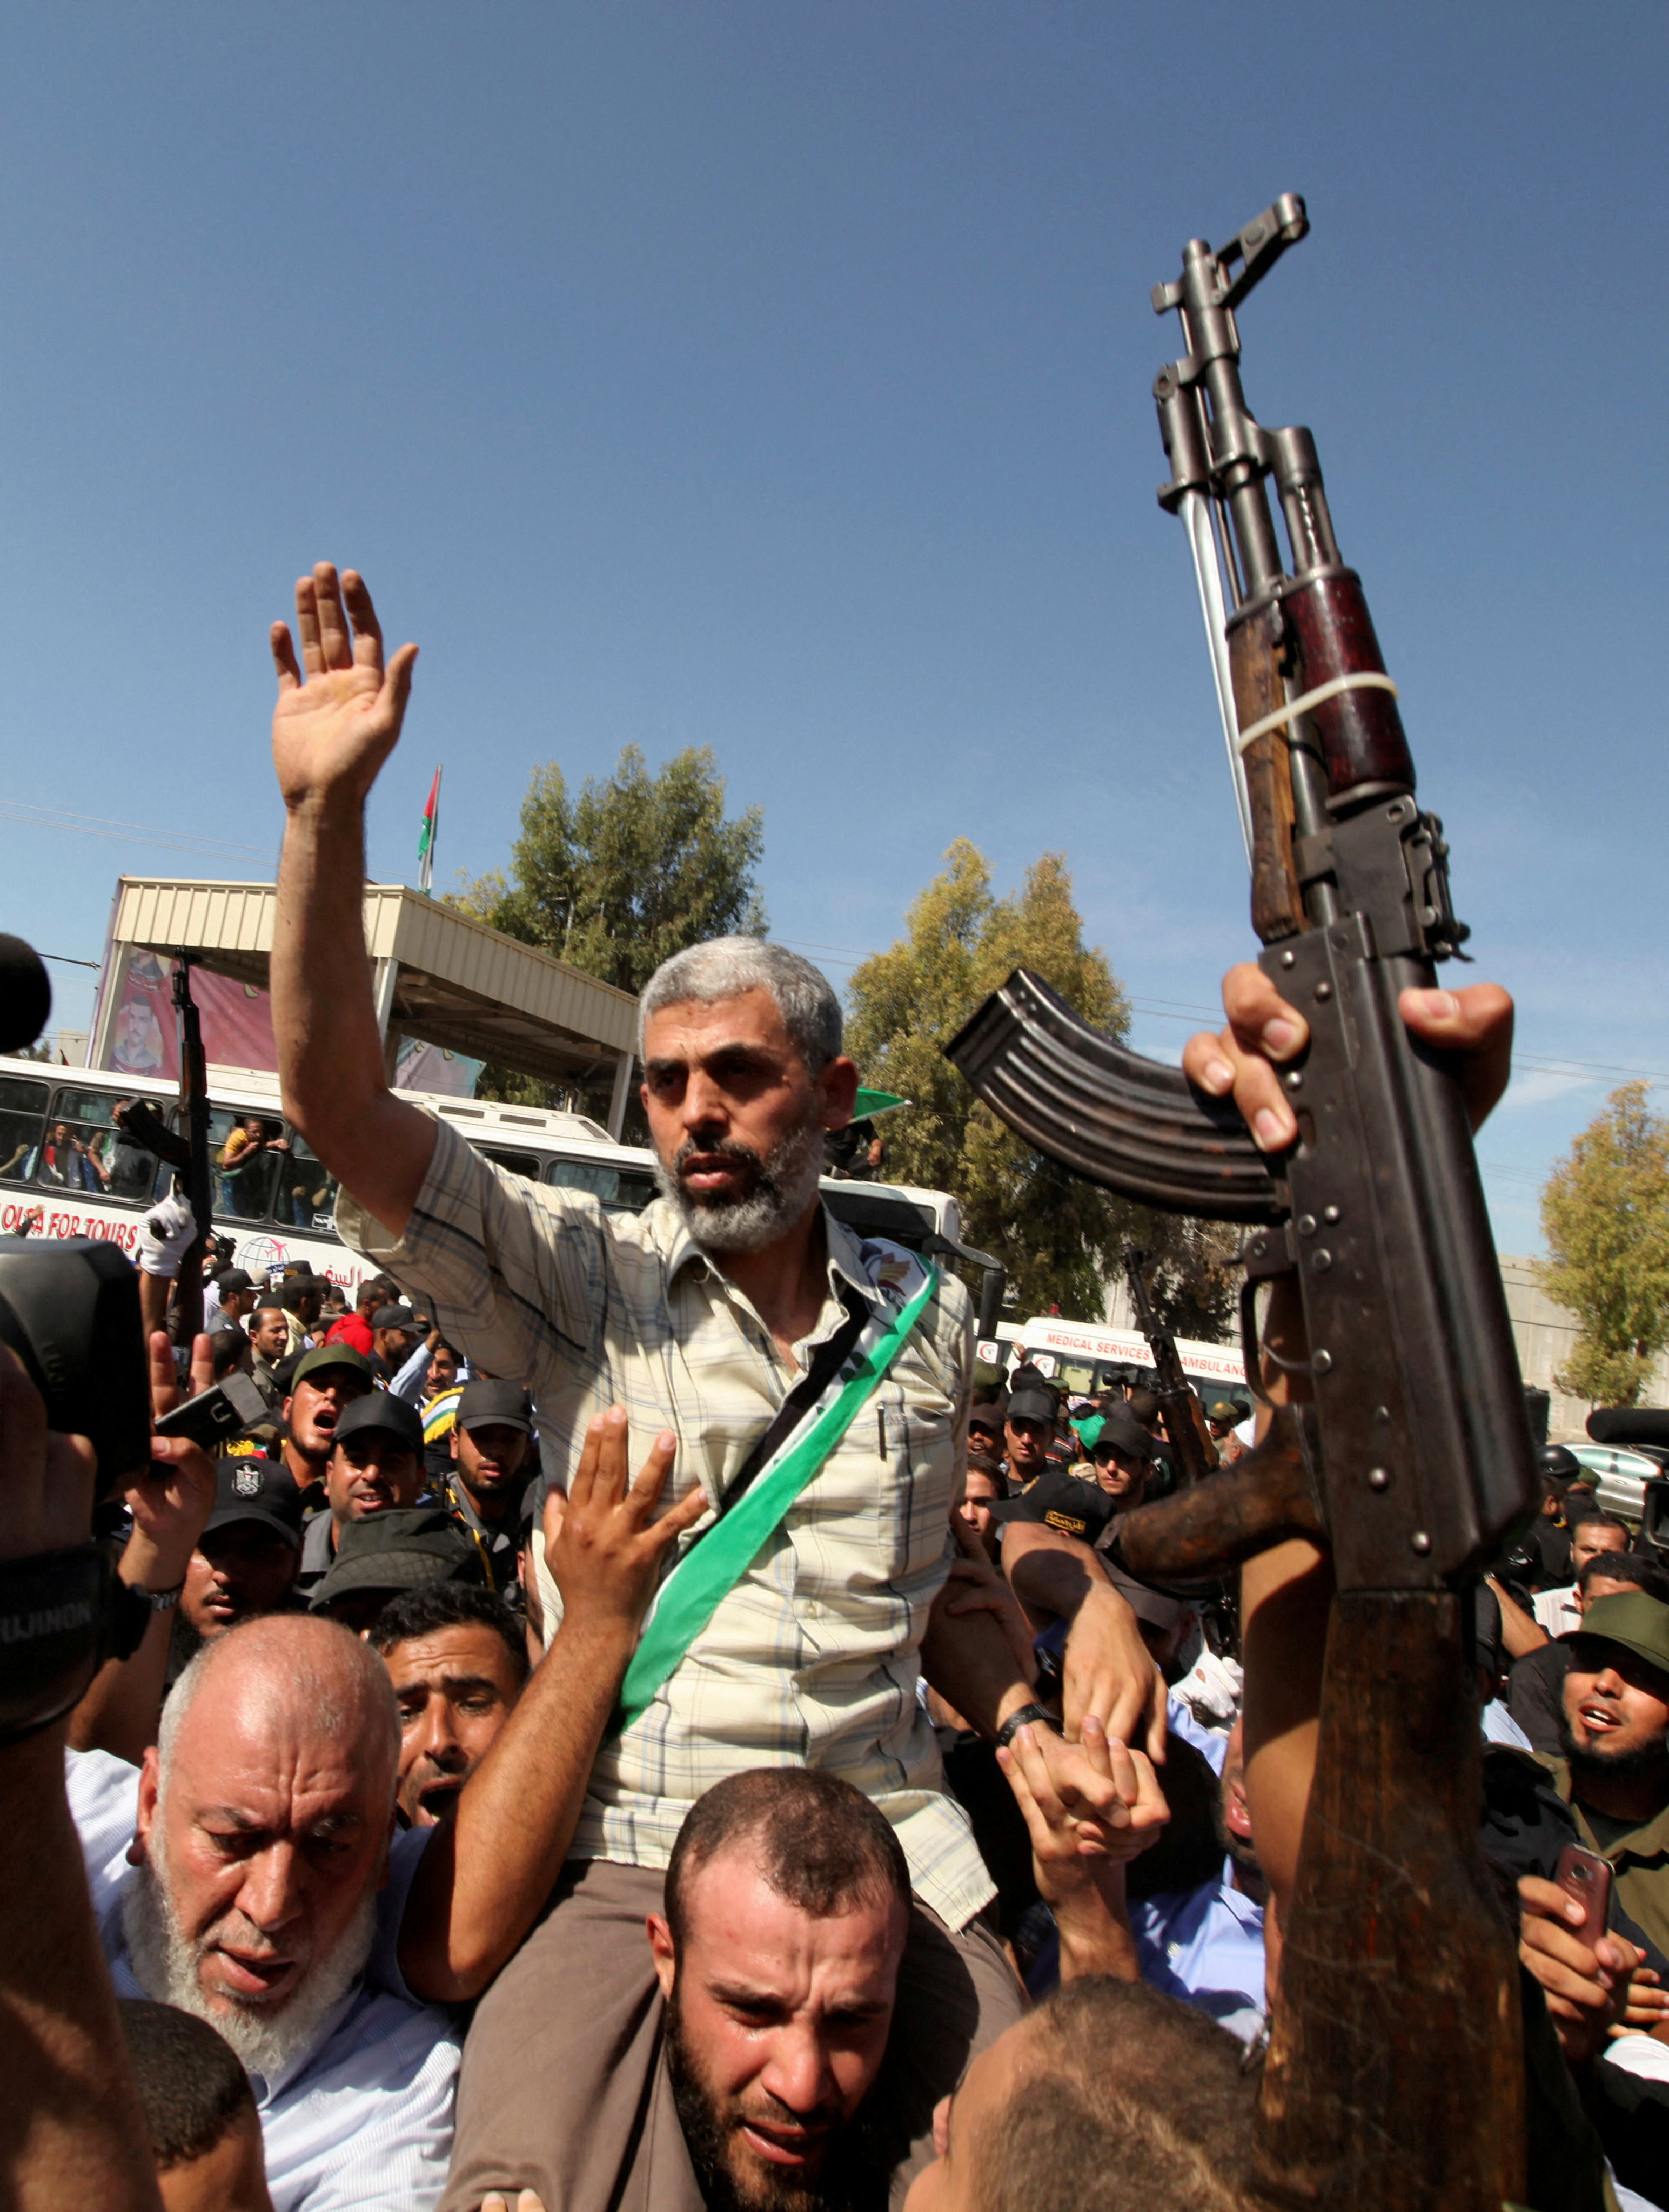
x,y
1194,1460
1394,2074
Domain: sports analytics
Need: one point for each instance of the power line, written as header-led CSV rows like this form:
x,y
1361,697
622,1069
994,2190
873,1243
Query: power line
x,y
134,833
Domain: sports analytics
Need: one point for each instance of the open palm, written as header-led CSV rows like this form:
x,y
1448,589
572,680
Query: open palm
x,y
335,725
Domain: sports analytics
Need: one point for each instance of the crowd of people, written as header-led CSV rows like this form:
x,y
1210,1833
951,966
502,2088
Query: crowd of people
x,y
644,1723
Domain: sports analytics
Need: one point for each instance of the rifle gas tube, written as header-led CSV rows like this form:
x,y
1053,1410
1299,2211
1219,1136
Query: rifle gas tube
x,y
1416,1445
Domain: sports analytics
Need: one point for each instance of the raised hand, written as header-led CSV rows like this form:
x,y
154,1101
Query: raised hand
x,y
1264,1033
602,1547
333,728
973,1585
170,1500
1108,1793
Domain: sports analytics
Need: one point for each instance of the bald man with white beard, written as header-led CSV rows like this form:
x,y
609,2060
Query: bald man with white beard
x,y
250,1873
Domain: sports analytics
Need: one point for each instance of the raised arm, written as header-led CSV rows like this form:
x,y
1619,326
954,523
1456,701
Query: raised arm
x,y
489,1868
332,729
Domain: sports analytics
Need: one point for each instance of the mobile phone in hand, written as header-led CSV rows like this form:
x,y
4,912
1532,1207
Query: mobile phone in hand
x,y
1587,1878
215,1416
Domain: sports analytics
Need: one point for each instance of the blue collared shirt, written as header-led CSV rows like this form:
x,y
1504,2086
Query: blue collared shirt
x,y
360,2121
1206,1946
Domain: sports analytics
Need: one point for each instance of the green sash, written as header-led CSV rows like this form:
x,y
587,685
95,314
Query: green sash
x,y
692,1594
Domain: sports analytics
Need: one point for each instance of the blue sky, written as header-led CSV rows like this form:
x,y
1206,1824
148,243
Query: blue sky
x,y
776,377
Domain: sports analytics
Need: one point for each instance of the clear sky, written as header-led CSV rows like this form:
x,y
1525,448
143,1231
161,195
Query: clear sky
x,y
776,377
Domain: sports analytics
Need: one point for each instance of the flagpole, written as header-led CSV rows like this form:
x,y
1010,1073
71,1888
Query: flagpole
x,y
426,839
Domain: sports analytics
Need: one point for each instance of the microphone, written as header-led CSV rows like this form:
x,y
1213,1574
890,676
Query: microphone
x,y
26,994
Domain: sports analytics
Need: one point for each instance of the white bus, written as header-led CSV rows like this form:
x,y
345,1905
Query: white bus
x,y
66,1169
1083,1358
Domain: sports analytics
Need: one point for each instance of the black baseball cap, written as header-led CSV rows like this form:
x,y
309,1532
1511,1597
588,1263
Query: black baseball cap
x,y
1031,1405
383,1410
253,1488
1119,1433
392,1317
495,1405
989,1413
401,1549
233,1279
1065,1502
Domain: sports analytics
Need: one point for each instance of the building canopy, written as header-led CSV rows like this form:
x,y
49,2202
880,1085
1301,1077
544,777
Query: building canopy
x,y
440,976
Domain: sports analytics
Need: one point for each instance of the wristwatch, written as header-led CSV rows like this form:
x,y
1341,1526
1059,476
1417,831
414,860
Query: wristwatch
x,y
161,1601
1016,1722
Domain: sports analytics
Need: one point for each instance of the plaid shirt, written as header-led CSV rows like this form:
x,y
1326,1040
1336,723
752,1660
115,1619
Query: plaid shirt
x,y
812,1659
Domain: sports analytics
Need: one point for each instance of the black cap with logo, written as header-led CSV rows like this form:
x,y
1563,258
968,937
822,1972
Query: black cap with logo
x,y
253,1488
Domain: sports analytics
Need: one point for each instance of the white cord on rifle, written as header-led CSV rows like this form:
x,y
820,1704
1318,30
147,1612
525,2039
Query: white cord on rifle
x,y
1369,680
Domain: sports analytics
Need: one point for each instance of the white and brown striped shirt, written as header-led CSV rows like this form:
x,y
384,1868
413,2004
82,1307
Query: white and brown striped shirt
x,y
812,1659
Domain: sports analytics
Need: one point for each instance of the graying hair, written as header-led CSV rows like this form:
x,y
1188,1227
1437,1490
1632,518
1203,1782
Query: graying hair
x,y
343,1685
725,967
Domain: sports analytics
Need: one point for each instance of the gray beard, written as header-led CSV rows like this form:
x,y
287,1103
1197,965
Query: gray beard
x,y
785,1185
166,1964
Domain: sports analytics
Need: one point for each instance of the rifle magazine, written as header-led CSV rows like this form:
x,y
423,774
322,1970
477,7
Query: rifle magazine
x,y
1132,1125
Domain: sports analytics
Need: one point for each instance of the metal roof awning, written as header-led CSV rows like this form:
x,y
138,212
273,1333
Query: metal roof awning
x,y
439,976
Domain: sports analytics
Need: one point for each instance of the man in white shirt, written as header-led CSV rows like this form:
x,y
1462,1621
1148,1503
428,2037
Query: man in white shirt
x,y
1560,1611
245,1874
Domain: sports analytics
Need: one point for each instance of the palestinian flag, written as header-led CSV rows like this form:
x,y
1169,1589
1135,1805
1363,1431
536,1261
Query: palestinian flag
x,y
431,815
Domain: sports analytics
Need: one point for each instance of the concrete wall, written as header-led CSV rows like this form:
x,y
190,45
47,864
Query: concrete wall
x,y
1545,1333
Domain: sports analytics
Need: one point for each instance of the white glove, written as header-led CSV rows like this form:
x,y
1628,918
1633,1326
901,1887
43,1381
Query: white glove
x,y
168,1228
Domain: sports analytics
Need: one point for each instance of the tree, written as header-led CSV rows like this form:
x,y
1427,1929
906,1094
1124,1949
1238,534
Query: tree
x,y
618,879
1606,1213
1056,1235
629,873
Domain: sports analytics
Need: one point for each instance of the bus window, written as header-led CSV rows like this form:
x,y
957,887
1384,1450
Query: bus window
x,y
246,1150
620,1189
305,1193
517,1164
23,1118
84,1151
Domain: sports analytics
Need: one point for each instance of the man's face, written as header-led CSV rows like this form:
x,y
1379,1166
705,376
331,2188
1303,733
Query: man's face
x,y
267,1849
1234,1816
369,1472
455,1688
254,1127
490,1456
393,1345
979,1494
777,2024
1028,1447
442,1368
1121,1474
1601,1586
269,1335
738,1118
235,1573
1616,1708
1591,1539
312,1409
951,2184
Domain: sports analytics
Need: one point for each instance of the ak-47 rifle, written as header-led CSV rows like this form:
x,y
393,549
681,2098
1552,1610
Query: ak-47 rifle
x,y
188,1317
1176,1401
1394,2076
